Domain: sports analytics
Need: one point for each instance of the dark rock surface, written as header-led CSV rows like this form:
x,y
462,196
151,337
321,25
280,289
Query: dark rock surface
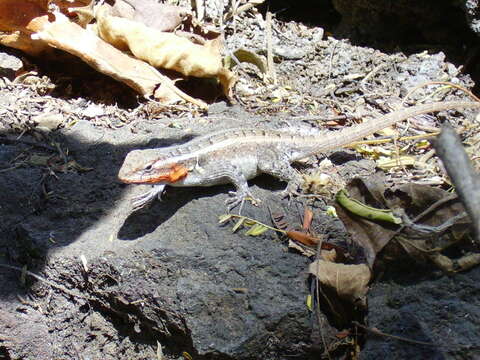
x,y
115,284
407,20
440,310
169,273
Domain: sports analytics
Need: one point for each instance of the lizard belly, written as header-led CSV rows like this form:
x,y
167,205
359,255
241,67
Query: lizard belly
x,y
217,172
248,166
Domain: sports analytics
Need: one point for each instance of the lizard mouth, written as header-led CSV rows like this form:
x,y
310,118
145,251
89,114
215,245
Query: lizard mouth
x,y
171,174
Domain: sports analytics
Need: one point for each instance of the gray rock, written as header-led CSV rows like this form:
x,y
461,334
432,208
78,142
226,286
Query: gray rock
x,y
9,65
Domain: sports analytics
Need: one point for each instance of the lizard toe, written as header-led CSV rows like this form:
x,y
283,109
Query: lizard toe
x,y
238,198
142,200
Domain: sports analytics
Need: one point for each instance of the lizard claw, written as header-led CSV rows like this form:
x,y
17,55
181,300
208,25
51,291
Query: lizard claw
x,y
238,198
139,202
290,191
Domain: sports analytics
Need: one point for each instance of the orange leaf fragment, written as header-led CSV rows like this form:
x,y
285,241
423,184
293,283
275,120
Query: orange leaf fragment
x,y
307,218
303,238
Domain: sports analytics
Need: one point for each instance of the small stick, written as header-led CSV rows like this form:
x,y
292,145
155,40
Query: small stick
x,y
51,283
450,149
380,333
268,32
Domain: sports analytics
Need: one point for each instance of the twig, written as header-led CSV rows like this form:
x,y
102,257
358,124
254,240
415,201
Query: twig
x,y
240,9
315,118
389,139
457,163
440,83
51,283
27,142
318,289
270,65
380,333
330,62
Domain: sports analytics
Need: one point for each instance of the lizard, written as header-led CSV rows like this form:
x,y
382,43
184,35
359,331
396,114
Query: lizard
x,y
239,154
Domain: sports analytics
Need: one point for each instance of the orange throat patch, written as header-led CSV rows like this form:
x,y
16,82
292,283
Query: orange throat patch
x,y
174,174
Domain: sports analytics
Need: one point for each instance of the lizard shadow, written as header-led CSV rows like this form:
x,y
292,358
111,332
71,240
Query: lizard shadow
x,y
148,219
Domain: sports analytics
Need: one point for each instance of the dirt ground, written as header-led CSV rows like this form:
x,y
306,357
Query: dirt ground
x,y
109,283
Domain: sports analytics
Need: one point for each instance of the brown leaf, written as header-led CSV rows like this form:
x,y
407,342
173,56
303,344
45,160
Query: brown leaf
x,y
307,219
20,18
304,250
426,206
350,282
72,38
303,238
25,43
165,50
17,15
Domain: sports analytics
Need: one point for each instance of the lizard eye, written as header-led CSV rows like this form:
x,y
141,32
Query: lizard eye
x,y
149,167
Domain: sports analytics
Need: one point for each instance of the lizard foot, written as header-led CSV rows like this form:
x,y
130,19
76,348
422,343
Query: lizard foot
x,y
290,191
139,202
238,198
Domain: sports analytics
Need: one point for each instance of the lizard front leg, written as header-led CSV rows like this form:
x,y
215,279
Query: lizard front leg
x,y
138,202
231,173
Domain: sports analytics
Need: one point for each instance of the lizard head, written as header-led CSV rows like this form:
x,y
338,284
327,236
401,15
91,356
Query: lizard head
x,y
151,167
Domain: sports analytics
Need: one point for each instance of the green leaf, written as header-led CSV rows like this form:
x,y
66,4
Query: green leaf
x,y
256,230
238,224
224,218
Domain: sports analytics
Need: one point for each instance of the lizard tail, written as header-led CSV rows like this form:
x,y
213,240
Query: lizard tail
x,y
354,133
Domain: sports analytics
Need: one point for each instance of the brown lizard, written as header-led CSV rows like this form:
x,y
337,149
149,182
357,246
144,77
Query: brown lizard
x,y
237,155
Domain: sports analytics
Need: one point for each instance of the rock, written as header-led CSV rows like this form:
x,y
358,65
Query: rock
x,y
49,121
9,65
442,311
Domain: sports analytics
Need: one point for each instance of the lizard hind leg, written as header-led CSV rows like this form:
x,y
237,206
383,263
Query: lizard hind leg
x,y
279,166
241,194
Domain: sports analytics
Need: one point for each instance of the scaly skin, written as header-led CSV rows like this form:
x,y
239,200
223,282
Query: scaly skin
x,y
237,155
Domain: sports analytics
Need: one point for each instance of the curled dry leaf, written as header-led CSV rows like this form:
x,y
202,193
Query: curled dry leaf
x,y
165,50
18,20
21,18
307,219
25,43
302,237
30,26
350,282
72,38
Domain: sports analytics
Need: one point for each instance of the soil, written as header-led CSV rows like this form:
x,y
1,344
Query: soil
x,y
111,283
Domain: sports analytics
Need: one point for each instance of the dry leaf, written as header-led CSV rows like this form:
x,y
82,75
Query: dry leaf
x,y
303,238
70,37
307,219
350,282
421,237
385,163
36,31
243,55
19,19
25,43
304,250
164,50
21,15
161,17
